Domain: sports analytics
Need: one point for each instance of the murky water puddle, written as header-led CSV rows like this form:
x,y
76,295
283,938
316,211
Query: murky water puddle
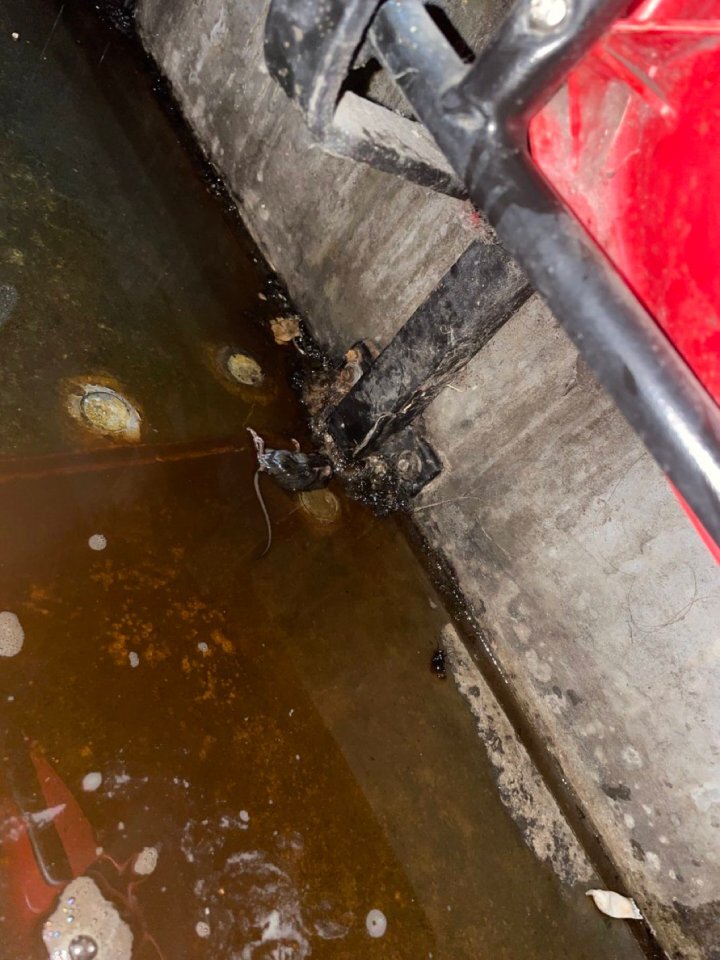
x,y
205,753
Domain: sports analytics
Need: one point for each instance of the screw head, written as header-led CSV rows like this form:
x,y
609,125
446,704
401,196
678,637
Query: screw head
x,y
408,465
546,14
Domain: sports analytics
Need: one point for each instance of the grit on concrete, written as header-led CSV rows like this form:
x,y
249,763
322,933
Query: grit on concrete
x,y
600,604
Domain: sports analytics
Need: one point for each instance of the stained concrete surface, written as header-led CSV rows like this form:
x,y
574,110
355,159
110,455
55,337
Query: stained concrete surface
x,y
599,602
241,756
601,605
343,265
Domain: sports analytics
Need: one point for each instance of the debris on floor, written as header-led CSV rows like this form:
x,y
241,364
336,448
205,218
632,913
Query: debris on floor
x,y
12,635
615,905
285,329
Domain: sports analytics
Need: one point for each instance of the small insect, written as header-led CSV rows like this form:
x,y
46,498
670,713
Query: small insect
x,y
437,663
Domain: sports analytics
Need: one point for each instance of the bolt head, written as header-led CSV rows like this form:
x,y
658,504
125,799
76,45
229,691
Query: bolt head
x,y
408,465
546,14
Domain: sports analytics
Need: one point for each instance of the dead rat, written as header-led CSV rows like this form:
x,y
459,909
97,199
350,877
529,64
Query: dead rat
x,y
291,469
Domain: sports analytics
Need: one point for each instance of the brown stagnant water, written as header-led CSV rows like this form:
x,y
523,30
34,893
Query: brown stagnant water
x,y
269,726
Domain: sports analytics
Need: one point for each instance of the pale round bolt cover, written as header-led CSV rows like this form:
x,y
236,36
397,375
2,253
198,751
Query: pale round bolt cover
x,y
546,14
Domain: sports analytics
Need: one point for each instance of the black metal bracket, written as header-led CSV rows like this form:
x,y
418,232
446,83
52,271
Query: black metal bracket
x,y
477,295
310,48
387,478
478,115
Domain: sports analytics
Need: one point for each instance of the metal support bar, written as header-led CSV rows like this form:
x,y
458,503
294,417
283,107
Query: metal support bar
x,y
309,49
478,116
477,295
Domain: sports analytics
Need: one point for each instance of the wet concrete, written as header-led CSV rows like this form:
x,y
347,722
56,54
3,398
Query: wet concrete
x,y
269,728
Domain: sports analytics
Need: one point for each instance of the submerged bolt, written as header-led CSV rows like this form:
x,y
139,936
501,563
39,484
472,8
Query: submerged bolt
x,y
408,465
105,411
244,369
322,505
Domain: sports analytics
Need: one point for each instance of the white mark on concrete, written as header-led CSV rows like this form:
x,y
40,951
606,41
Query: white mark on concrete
x,y
97,541
537,667
376,923
631,757
12,635
521,788
652,860
91,781
629,820
146,861
706,796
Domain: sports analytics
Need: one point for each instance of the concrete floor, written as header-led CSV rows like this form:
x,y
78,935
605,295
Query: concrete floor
x,y
600,604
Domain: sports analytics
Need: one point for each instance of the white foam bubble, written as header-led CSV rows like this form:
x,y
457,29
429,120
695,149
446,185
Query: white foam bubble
x,y
146,861
12,635
376,923
202,929
91,781
97,541
134,659
82,911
